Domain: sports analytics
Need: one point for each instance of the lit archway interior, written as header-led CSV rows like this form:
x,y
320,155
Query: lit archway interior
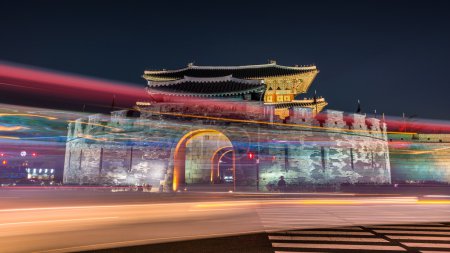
x,y
197,156
218,160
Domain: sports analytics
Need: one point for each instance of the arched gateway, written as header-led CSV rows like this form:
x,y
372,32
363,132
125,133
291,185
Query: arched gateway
x,y
197,157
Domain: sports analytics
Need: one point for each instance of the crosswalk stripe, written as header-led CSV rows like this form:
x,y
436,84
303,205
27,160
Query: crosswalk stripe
x,y
295,226
434,251
278,228
312,232
336,246
328,239
292,225
427,245
381,231
337,229
411,227
434,224
424,238
421,224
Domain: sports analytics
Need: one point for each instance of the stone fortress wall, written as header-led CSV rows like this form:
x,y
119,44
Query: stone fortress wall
x,y
331,148
420,158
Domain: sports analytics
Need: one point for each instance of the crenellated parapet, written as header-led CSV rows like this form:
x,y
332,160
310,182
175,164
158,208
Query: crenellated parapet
x,y
79,127
301,115
118,117
328,120
332,119
357,121
86,126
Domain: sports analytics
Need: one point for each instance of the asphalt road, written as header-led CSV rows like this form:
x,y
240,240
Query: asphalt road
x,y
62,221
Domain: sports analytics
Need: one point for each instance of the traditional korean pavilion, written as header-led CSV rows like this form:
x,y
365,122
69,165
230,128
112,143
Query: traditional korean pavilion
x,y
270,83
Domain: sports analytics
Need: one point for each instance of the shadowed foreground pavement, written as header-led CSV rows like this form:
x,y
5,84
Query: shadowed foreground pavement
x,y
392,238
254,243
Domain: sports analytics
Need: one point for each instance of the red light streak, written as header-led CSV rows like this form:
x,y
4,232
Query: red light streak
x,y
97,91
46,83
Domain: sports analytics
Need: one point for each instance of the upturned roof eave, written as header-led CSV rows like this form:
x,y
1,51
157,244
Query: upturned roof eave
x,y
158,72
189,79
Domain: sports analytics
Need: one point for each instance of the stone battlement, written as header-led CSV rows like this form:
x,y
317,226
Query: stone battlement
x,y
338,120
329,120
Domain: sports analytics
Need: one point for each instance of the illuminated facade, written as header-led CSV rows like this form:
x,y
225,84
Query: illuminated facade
x,y
279,85
240,127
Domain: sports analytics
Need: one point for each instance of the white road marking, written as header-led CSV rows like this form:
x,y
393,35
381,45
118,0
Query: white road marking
x,y
426,245
425,238
325,233
411,227
434,251
336,246
416,232
328,239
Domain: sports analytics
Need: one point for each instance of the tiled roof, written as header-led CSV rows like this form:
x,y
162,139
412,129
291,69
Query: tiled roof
x,y
245,72
205,87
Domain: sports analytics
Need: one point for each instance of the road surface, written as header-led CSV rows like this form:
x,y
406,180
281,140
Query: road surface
x,y
55,221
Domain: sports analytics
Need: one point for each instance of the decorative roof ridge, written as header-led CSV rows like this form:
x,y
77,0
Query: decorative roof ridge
x,y
205,80
321,101
272,64
318,99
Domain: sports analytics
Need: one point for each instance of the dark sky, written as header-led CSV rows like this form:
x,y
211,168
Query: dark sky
x,y
392,55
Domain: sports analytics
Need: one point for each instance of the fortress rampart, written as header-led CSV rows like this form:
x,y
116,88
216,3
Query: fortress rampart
x,y
142,146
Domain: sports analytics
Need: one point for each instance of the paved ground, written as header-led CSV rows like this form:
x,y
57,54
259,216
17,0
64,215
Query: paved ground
x,y
54,221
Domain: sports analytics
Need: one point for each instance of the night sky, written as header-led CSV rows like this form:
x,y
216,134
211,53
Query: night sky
x,y
392,55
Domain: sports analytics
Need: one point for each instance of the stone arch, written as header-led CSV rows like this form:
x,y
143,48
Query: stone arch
x,y
179,155
215,161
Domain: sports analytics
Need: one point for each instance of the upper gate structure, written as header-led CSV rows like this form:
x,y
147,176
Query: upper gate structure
x,y
281,85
